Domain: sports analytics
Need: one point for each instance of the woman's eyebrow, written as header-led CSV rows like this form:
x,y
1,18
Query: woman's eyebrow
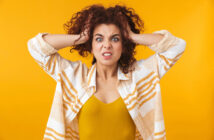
x,y
102,35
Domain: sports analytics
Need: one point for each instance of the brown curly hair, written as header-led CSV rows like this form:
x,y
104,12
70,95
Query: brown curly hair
x,y
118,15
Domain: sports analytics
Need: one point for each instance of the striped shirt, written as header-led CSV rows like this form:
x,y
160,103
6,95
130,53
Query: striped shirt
x,y
139,89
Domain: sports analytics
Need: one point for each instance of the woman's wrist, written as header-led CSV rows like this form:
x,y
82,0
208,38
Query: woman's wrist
x,y
80,39
134,37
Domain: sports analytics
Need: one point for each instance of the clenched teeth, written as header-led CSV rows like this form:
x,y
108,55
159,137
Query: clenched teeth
x,y
106,54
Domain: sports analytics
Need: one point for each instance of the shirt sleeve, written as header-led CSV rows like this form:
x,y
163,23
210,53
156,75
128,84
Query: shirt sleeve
x,y
167,52
47,56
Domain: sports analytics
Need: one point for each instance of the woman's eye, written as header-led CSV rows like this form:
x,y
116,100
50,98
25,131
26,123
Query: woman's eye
x,y
97,39
116,39
100,39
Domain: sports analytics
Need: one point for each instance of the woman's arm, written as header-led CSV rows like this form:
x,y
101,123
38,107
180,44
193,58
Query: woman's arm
x,y
168,50
44,49
59,41
146,39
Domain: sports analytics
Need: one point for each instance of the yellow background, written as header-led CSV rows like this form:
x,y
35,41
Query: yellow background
x,y
187,89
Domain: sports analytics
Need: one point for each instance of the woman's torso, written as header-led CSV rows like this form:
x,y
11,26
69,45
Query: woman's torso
x,y
106,91
105,116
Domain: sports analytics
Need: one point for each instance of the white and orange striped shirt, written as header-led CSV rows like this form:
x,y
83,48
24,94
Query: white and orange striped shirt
x,y
140,89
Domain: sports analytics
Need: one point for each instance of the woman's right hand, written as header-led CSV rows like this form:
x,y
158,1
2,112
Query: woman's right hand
x,y
84,34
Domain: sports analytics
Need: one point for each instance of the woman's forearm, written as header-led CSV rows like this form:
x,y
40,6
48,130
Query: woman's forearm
x,y
146,39
59,41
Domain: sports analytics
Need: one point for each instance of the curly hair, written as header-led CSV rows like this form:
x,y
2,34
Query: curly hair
x,y
117,15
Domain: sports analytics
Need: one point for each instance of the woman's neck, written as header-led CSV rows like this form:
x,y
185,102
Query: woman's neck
x,y
106,72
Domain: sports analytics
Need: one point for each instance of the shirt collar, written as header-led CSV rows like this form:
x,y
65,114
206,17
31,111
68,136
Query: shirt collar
x,y
91,76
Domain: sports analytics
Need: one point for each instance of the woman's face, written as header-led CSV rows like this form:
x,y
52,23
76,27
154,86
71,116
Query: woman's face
x,y
107,38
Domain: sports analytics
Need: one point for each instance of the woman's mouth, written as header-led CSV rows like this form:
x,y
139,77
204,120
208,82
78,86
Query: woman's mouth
x,y
107,55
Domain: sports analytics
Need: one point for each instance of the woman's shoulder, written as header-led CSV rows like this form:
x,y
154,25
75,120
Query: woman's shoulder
x,y
73,65
144,64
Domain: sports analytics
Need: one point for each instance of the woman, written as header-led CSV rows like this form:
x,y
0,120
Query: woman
x,y
117,98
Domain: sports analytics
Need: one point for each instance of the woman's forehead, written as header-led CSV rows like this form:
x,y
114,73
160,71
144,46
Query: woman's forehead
x,y
106,29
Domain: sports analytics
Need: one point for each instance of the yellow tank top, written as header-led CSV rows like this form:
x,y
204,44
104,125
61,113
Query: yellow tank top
x,y
101,121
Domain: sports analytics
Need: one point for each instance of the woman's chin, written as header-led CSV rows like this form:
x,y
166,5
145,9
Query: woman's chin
x,y
108,62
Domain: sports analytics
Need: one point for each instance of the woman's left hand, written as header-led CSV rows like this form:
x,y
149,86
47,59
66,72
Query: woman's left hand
x,y
130,33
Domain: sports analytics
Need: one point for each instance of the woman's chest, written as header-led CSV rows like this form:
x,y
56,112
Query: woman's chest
x,y
107,91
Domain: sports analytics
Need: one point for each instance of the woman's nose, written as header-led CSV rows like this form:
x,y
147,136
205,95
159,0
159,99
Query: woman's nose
x,y
107,44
